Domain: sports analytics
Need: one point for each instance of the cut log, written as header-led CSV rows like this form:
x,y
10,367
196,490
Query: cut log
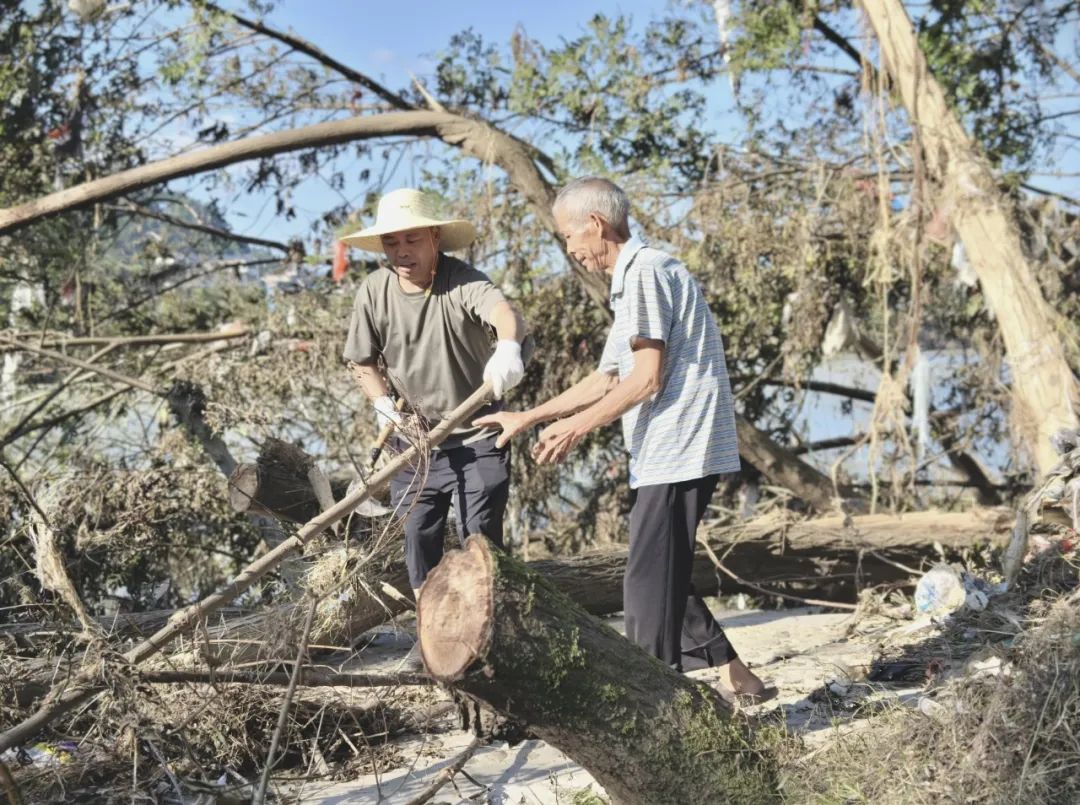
x,y
502,633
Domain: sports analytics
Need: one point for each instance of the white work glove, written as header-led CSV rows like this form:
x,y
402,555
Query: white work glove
x,y
504,369
386,411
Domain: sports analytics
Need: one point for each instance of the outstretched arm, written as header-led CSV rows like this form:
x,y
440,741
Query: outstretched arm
x,y
644,380
582,394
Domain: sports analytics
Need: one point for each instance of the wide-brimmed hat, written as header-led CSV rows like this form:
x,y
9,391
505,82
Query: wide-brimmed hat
x,y
409,209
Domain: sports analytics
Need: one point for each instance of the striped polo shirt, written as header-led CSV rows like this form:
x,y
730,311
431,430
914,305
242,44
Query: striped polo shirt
x,y
687,429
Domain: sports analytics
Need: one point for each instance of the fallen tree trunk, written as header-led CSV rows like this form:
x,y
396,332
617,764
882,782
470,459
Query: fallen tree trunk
x,y
833,557
505,635
827,557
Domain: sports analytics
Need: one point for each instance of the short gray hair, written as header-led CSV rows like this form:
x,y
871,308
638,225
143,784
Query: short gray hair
x,y
594,194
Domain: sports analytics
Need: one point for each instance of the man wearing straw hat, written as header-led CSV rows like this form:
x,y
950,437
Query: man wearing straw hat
x,y
422,330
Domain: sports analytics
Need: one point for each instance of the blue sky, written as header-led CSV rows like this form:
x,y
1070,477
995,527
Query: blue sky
x,y
389,39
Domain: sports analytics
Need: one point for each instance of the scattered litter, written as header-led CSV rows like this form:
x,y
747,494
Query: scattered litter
x,y
940,591
934,709
840,688
260,344
988,667
41,754
976,600
943,590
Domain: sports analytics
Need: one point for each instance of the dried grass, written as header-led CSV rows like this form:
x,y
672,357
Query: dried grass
x,y
1007,735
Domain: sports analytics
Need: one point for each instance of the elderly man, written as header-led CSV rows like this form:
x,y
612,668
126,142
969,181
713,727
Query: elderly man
x,y
424,330
663,372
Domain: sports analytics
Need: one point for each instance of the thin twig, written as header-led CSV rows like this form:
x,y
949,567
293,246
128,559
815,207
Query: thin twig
x,y
85,685
199,226
810,601
112,341
134,382
259,797
446,775
894,563
312,678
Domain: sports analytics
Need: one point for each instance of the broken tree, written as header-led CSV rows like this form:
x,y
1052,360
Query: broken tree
x,y
82,686
1045,390
505,635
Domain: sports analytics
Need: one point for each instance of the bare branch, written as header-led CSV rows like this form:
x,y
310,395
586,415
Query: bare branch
x,y
310,678
104,371
129,340
198,226
307,48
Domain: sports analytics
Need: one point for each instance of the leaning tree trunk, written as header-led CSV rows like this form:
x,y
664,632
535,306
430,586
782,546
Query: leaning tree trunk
x,y
1045,389
504,634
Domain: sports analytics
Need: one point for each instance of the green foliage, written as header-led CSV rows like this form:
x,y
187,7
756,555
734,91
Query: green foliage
x,y
617,98
986,59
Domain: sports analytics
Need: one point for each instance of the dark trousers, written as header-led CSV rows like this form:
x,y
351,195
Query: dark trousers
x,y
480,475
663,613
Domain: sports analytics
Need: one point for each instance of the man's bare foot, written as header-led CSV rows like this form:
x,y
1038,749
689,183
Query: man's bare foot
x,y
736,677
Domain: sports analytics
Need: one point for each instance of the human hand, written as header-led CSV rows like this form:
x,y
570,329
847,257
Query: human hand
x,y
556,441
510,423
504,369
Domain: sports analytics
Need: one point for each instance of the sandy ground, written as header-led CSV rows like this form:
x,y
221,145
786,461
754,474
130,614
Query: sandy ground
x,y
817,660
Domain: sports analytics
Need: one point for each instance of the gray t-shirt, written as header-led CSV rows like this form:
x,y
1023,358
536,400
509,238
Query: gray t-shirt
x,y
434,347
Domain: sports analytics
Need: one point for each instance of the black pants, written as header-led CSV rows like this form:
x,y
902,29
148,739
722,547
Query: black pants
x,y
663,613
480,475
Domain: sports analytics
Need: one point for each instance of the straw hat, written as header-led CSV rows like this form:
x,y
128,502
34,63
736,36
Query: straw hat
x,y
409,209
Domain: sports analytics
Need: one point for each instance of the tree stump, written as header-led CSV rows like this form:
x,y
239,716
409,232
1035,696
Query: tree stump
x,y
277,483
503,634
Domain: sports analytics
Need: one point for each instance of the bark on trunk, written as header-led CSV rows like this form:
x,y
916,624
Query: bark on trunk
x,y
505,635
1045,390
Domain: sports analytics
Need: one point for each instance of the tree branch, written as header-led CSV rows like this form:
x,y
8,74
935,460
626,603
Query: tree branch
x,y
119,377
782,467
129,340
146,212
475,137
833,36
322,57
